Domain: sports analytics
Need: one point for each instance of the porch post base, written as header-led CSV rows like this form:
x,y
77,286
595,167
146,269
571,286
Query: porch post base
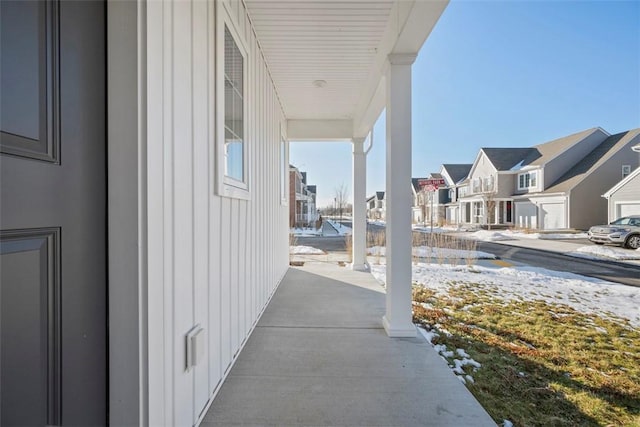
x,y
359,267
399,331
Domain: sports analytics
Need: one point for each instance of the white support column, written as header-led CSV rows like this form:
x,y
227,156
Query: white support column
x,y
359,233
397,320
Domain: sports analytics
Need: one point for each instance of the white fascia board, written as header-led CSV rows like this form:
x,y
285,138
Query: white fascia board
x,y
319,130
475,163
419,17
409,25
622,183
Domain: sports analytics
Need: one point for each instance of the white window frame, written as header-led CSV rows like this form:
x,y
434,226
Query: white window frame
x,y
227,186
284,169
531,176
626,171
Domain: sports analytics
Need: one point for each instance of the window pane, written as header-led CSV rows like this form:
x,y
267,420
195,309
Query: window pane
x,y
233,103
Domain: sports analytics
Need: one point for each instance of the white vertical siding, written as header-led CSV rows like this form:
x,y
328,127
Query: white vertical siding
x,y
213,261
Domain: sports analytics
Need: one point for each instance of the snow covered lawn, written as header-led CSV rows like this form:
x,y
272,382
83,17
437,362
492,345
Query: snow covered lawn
x,y
611,252
304,232
524,283
305,250
342,230
498,235
437,253
534,346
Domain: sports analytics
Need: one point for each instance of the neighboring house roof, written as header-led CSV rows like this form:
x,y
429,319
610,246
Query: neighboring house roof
x,y
435,175
624,181
457,172
505,159
550,150
311,188
592,161
378,195
414,184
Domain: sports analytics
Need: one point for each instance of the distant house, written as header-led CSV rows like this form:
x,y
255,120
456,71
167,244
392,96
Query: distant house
x,y
420,201
624,197
554,185
426,201
376,206
302,200
454,176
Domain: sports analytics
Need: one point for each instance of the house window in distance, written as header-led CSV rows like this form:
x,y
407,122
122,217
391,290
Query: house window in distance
x,y
527,180
626,170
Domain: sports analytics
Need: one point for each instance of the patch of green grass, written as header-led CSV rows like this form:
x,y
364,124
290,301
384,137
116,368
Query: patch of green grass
x,y
542,364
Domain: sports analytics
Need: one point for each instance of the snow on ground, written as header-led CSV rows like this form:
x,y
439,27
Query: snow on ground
x,y
342,230
545,236
497,235
303,232
305,250
599,252
524,283
519,283
438,253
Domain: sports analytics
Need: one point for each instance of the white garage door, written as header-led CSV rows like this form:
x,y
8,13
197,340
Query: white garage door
x,y
526,215
552,216
626,209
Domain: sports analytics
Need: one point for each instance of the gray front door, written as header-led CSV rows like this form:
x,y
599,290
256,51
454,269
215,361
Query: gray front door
x,y
53,295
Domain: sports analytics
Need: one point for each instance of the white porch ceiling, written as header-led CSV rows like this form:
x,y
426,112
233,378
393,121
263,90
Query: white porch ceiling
x,y
342,43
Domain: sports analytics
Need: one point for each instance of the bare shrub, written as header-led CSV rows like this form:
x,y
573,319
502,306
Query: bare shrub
x,y
376,239
348,243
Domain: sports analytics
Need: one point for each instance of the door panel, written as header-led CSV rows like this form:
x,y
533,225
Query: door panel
x,y
53,292
30,353
29,45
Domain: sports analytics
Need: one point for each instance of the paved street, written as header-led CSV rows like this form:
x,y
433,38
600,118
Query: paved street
x,y
536,257
614,272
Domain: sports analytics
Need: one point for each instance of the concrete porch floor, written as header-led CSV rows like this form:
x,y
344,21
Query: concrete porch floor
x,y
320,357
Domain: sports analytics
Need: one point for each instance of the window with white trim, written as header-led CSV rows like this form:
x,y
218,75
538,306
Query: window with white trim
x,y
626,171
232,176
527,180
233,109
284,172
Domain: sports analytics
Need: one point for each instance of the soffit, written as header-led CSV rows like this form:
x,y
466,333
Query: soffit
x,y
304,41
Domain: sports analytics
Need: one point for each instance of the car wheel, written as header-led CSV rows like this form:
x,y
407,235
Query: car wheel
x,y
633,242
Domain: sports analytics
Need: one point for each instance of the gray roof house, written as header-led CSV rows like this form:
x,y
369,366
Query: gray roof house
x,y
376,206
624,198
548,186
455,176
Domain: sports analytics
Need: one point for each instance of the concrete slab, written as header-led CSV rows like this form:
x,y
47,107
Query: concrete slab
x,y
319,357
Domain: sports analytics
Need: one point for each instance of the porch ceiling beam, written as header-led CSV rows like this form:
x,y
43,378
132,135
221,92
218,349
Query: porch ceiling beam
x,y
319,130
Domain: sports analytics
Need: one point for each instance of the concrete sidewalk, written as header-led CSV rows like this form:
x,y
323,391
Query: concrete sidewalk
x,y
320,357
551,245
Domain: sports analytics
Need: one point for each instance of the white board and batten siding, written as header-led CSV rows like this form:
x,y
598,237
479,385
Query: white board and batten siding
x,y
212,261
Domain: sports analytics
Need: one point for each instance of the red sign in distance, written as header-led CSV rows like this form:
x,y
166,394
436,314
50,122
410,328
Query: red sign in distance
x,y
431,184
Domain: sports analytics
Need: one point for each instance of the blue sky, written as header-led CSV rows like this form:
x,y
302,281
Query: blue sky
x,y
504,74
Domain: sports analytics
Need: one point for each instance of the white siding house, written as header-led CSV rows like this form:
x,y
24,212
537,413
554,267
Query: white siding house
x,y
203,98
624,198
